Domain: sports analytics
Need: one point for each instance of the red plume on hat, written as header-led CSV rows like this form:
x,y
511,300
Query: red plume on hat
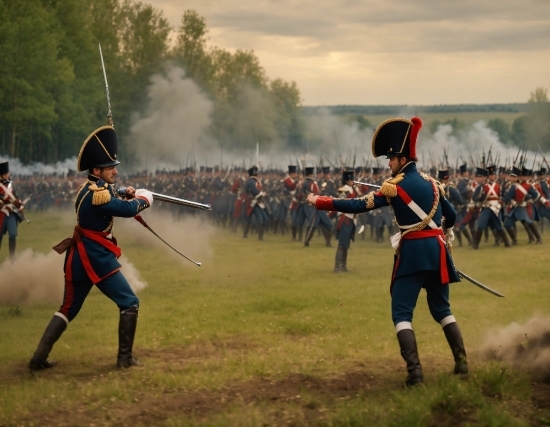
x,y
417,125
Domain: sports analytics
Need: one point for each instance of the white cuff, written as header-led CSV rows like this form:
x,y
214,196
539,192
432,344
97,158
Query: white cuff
x,y
401,326
447,321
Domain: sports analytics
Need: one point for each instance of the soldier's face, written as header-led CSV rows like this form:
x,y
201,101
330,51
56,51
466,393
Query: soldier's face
x,y
396,164
108,174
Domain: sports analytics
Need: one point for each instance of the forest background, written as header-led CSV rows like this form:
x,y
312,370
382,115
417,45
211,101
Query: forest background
x,y
52,92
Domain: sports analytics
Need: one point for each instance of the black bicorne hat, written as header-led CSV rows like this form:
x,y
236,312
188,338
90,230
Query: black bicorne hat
x,y
326,169
253,171
99,150
292,168
481,172
309,170
347,175
443,174
396,138
4,168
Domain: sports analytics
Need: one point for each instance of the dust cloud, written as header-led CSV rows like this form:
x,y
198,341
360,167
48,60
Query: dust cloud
x,y
526,346
44,282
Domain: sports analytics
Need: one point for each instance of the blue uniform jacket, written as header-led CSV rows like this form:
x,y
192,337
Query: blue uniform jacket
x,y
415,255
96,206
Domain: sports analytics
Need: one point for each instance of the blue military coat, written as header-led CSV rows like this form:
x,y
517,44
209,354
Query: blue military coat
x,y
96,205
410,188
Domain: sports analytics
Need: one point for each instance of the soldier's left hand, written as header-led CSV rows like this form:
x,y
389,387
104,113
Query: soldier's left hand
x,y
130,192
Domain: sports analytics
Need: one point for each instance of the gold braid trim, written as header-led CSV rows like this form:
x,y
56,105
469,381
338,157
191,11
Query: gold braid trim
x,y
101,195
369,200
389,188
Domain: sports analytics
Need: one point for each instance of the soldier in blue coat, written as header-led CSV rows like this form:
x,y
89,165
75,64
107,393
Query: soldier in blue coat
x,y
92,251
425,219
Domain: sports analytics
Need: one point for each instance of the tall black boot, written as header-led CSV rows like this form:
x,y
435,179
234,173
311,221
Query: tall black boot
x,y
529,232
344,268
535,231
309,235
477,239
512,233
126,332
11,245
275,226
338,258
496,236
458,235
52,333
409,352
486,235
300,233
294,230
454,338
468,236
261,229
246,229
328,236
504,238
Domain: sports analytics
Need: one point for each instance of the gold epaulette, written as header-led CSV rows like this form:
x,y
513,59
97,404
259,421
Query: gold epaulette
x,y
389,188
101,195
436,182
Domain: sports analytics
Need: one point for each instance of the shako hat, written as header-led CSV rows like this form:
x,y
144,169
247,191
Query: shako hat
x,y
4,168
309,170
326,170
463,168
442,174
481,172
253,171
515,171
292,168
99,150
347,175
375,171
396,138
526,172
541,171
491,170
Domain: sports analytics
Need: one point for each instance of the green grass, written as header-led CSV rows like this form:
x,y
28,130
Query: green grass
x,y
265,334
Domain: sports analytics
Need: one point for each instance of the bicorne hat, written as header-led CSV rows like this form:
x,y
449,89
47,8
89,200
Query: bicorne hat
x,y
396,138
99,150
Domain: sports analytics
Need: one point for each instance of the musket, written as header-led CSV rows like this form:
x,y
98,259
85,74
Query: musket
x,y
332,164
543,158
169,199
109,113
338,147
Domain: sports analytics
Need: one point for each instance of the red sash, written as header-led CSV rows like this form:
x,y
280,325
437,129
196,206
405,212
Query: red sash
x,y
422,234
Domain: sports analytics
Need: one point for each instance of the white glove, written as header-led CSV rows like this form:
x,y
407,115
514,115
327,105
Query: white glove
x,y
144,194
395,240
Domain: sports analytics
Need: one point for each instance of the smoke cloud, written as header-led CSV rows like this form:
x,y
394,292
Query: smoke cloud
x,y
174,122
44,283
18,168
526,346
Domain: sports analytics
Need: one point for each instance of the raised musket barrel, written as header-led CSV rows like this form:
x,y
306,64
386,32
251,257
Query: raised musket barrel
x,y
169,199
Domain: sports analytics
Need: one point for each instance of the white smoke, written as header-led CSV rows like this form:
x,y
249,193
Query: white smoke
x,y
44,282
174,122
19,169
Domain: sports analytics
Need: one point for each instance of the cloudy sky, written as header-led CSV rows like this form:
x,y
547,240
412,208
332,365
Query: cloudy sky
x,y
418,52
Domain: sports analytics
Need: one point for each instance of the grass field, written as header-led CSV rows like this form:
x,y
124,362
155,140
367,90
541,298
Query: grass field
x,y
264,334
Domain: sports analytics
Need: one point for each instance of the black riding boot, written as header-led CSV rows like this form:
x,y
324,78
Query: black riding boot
x,y
504,238
339,259
309,235
534,229
458,235
300,233
529,232
344,268
328,236
409,352
11,245
52,333
126,332
477,239
294,230
454,338
246,230
468,236
512,233
261,229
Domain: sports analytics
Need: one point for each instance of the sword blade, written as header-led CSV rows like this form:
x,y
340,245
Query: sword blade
x,y
480,285
366,183
109,113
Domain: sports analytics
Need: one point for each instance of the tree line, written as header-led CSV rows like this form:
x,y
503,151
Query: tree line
x,y
52,91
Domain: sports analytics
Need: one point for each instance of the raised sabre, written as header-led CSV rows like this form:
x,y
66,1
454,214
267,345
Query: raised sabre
x,y
109,113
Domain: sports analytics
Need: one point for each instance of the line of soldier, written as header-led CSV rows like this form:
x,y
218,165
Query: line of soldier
x,y
494,199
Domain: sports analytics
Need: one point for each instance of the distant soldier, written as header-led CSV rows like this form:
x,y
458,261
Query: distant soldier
x,y
314,217
255,206
289,203
488,196
453,196
464,188
11,209
541,185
